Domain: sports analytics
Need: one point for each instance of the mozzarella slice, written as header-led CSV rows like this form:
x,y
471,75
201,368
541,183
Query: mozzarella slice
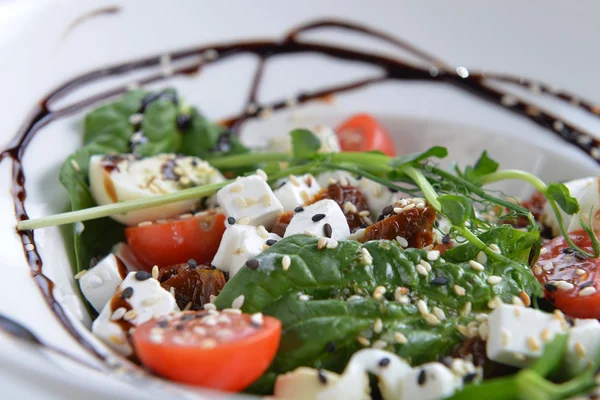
x,y
586,192
378,196
312,219
115,178
250,201
431,381
100,283
239,244
138,299
517,335
296,191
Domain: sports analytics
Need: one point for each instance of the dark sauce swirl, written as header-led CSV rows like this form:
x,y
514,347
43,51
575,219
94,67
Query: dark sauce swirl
x,y
393,69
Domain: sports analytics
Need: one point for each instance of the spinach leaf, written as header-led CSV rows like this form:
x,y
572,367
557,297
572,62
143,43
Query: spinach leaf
x,y
305,144
159,127
202,137
456,208
436,151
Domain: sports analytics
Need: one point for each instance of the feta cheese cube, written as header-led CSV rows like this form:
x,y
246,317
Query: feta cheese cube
x,y
329,140
325,178
517,335
138,299
296,191
313,218
100,283
430,381
250,201
239,244
583,345
378,196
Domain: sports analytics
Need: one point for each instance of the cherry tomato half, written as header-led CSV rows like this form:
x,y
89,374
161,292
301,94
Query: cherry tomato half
x,y
222,351
567,275
177,240
362,132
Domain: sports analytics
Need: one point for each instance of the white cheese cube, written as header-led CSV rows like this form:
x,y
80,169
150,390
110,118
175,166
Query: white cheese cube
x,y
313,218
100,283
250,201
138,299
329,140
430,381
583,345
517,335
296,191
327,177
120,177
378,196
239,244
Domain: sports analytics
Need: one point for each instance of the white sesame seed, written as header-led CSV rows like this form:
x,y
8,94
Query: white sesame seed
x,y
537,270
432,320
587,291
545,335
533,344
354,297
332,244
426,265
466,311
398,210
462,330
433,255
548,266
236,187
262,174
420,206
331,181
422,307
439,313
494,247
344,181
580,271
349,208
241,202
363,341
494,280
543,251
321,243
209,306
257,319
403,299
401,241
295,181
80,274
399,291
579,350
379,344
409,207
209,321
428,247
118,313
378,326
286,261
75,165
366,256
250,201
262,232
364,213
243,221
145,223
462,72
188,306
155,272
564,285
481,258
494,303
308,232
234,311
459,290
476,266
129,315
421,270
238,302
505,337
304,297
399,337
379,292
517,301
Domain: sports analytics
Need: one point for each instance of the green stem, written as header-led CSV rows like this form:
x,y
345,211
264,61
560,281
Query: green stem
x,y
422,182
121,207
362,159
244,160
370,176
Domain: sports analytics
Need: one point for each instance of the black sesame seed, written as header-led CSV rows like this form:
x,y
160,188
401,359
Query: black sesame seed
x,y
330,347
163,323
192,263
384,362
298,209
393,190
580,257
550,287
568,250
271,242
446,239
231,220
322,377
327,230
380,218
142,275
194,163
421,378
252,264
127,293
282,184
436,224
317,217
387,210
179,327
184,122
188,317
587,284
470,377
439,281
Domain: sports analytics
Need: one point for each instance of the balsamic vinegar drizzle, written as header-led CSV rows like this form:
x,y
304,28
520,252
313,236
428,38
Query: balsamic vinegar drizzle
x,y
434,70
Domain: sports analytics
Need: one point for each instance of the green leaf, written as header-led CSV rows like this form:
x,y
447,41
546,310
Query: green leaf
x,y
305,144
559,192
551,359
456,208
202,136
483,166
414,158
160,128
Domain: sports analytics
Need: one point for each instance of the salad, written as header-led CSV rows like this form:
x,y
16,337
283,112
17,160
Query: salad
x,y
326,266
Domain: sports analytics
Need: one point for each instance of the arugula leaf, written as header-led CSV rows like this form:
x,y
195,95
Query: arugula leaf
x,y
559,192
305,144
456,208
436,151
483,166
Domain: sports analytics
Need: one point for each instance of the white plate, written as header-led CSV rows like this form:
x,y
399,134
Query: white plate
x,y
418,116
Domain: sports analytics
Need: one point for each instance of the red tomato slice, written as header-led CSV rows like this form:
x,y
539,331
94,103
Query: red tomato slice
x,y
567,275
177,240
362,132
223,351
